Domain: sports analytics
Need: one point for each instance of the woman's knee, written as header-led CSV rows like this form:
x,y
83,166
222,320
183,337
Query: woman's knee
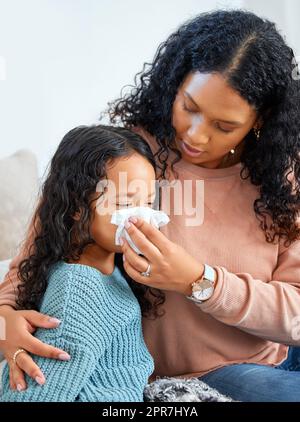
x,y
256,383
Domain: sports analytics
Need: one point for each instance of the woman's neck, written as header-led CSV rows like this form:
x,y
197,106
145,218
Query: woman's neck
x,y
232,159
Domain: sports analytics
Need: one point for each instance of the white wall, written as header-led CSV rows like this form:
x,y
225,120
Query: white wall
x,y
285,13
65,59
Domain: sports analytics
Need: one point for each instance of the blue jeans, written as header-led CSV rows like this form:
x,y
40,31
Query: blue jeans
x,y
250,382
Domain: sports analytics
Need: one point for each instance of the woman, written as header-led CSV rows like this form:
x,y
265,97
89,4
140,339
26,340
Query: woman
x,y
219,105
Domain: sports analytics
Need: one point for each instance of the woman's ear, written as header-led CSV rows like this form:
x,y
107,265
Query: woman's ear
x,y
258,123
77,215
261,119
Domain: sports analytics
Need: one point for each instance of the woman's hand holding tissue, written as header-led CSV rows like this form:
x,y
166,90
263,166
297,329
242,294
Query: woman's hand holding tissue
x,y
172,268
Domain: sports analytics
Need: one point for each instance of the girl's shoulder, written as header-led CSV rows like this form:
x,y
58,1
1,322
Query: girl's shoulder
x,y
80,297
87,284
73,276
85,290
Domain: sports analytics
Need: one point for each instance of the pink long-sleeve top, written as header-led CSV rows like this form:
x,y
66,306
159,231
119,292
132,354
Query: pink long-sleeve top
x,y
254,312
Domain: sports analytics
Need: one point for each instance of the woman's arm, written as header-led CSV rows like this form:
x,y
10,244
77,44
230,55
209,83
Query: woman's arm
x,y
270,310
79,302
19,325
9,286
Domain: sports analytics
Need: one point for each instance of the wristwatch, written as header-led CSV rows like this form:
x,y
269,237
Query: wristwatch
x,y
203,288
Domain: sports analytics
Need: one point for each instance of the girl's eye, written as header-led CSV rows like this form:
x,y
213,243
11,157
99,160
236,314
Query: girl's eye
x,y
151,204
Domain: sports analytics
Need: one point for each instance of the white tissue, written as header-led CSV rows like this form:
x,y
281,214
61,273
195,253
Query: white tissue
x,y
151,216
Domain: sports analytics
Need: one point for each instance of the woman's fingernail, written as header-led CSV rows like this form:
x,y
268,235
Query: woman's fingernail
x,y
54,320
40,380
121,241
123,258
20,387
64,356
133,220
127,224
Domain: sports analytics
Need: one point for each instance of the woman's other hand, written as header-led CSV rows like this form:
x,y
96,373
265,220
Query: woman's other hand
x,y
18,327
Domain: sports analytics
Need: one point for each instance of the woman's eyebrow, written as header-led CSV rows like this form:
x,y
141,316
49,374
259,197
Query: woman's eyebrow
x,y
230,122
191,98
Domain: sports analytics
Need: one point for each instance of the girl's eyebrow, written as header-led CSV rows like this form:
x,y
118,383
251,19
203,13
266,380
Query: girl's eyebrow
x,y
230,122
130,194
125,194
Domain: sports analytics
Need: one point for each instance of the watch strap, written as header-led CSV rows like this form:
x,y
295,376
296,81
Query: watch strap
x,y
209,273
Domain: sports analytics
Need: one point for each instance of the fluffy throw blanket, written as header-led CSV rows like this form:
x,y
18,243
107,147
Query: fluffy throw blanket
x,y
182,390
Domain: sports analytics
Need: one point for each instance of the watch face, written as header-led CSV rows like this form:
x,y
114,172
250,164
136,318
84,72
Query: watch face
x,y
203,294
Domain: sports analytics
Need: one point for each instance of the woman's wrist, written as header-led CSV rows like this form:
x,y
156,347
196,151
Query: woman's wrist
x,y
198,272
4,309
201,268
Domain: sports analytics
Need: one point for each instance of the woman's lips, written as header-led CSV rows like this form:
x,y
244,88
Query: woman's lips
x,y
192,152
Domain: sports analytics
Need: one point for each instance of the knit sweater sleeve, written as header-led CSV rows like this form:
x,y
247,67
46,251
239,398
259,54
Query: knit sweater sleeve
x,y
84,333
270,310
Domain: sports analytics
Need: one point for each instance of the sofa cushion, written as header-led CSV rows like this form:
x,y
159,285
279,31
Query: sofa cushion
x,y
18,191
3,268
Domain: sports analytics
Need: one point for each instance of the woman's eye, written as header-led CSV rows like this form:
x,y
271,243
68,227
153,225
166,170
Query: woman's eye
x,y
187,109
224,130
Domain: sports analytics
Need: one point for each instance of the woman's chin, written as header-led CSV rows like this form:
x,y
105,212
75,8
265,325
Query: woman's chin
x,y
202,162
193,160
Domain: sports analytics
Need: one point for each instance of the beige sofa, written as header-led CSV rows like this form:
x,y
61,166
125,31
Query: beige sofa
x,y
3,270
18,193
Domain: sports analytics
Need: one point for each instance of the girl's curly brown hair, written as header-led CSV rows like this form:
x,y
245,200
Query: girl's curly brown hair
x,y
76,168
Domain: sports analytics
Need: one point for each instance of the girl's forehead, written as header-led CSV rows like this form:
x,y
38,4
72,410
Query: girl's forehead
x,y
130,176
134,166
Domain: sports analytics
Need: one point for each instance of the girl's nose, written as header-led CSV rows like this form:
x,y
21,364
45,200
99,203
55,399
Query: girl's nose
x,y
137,202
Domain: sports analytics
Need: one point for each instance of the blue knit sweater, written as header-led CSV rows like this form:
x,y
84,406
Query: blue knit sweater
x,y
101,330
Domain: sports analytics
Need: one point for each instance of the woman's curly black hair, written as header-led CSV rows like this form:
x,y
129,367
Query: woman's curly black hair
x,y
254,59
69,189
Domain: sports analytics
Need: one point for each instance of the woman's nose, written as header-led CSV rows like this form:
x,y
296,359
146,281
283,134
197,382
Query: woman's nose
x,y
197,135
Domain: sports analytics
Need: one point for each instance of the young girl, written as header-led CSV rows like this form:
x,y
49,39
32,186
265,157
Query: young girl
x,y
71,273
